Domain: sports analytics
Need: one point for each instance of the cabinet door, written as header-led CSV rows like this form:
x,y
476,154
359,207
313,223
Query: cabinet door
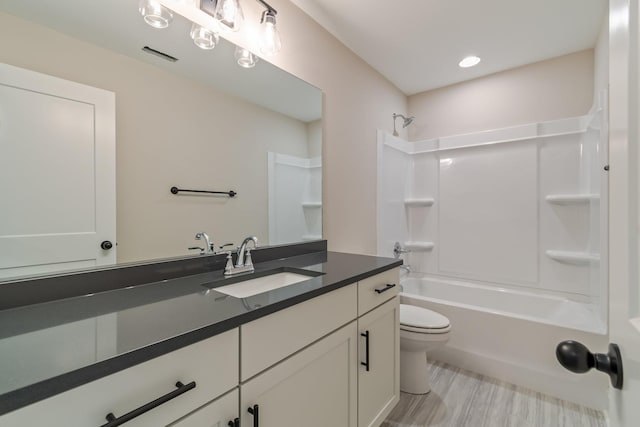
x,y
316,387
216,414
379,382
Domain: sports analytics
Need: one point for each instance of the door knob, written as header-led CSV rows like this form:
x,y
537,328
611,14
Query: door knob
x,y
577,358
106,245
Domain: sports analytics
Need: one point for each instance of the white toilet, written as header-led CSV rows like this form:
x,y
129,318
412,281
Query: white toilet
x,y
421,330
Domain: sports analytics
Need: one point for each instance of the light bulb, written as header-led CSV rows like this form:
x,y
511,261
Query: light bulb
x,y
270,43
155,14
229,14
204,38
245,58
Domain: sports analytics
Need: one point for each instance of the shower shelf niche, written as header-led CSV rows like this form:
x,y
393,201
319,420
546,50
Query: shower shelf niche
x,y
577,258
419,202
309,237
572,199
416,246
311,204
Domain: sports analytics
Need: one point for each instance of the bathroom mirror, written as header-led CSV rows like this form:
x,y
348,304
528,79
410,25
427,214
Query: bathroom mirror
x,y
199,123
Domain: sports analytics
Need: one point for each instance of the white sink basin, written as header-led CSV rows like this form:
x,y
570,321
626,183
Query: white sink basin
x,y
262,284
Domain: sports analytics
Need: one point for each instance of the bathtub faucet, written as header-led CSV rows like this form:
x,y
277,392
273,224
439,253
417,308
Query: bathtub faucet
x,y
399,250
406,267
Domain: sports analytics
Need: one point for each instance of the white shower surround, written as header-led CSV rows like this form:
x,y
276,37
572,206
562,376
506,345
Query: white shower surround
x,y
516,269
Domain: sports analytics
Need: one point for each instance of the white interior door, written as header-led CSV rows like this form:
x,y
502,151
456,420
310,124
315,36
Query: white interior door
x,y
57,174
624,217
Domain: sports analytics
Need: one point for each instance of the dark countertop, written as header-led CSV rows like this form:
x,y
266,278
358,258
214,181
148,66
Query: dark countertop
x,y
130,325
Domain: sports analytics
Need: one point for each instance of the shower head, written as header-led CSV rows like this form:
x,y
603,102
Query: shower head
x,y
406,121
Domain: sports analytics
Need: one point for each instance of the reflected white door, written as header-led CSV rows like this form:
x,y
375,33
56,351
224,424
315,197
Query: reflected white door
x,y
57,174
624,217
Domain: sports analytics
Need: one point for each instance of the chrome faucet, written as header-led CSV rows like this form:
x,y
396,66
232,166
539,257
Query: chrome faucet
x,y
209,246
243,262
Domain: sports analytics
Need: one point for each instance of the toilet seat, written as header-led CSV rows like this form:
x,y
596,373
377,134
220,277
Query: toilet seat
x,y
423,321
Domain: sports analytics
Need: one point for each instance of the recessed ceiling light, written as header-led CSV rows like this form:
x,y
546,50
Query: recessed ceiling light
x,y
469,61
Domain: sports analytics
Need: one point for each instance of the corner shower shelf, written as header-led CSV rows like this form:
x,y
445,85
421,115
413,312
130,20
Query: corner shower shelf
x,y
578,258
571,199
311,204
419,246
427,201
308,237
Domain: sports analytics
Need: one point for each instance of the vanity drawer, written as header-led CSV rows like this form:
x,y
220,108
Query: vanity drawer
x,y
212,364
377,289
268,340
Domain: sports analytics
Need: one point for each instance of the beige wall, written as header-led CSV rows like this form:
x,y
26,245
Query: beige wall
x,y
547,90
169,132
357,102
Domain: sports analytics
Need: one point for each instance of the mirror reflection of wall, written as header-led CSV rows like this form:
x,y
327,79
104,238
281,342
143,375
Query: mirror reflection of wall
x,y
192,124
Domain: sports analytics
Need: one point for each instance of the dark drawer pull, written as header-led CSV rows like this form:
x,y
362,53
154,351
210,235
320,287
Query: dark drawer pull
x,y
182,388
256,417
386,288
366,363
234,423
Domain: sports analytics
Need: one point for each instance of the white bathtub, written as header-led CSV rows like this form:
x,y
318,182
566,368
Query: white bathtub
x,y
512,335
548,309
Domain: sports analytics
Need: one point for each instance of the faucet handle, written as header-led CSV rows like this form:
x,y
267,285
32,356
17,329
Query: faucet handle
x,y
224,246
228,269
193,248
247,259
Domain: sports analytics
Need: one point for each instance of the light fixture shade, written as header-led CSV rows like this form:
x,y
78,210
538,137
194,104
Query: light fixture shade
x,y
204,38
155,14
245,58
270,42
229,14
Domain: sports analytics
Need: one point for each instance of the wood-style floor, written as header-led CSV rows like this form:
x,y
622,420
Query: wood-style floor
x,y
461,398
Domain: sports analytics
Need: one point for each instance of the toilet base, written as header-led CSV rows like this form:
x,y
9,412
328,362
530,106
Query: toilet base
x,y
414,372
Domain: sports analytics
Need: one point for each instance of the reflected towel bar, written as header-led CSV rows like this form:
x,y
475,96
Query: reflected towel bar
x,y
176,190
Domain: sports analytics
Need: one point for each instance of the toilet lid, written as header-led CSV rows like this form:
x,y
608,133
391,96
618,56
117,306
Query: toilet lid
x,y
422,318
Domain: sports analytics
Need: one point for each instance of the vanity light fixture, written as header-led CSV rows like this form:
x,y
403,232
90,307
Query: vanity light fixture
x,y
469,61
155,14
229,14
203,37
270,43
245,58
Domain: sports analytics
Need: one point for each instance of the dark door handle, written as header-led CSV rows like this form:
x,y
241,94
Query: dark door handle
x,y
577,358
106,245
234,423
182,388
366,363
386,288
256,417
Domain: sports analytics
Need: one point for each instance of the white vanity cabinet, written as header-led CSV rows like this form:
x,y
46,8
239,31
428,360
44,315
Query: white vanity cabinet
x,y
316,387
222,412
211,364
328,382
379,367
